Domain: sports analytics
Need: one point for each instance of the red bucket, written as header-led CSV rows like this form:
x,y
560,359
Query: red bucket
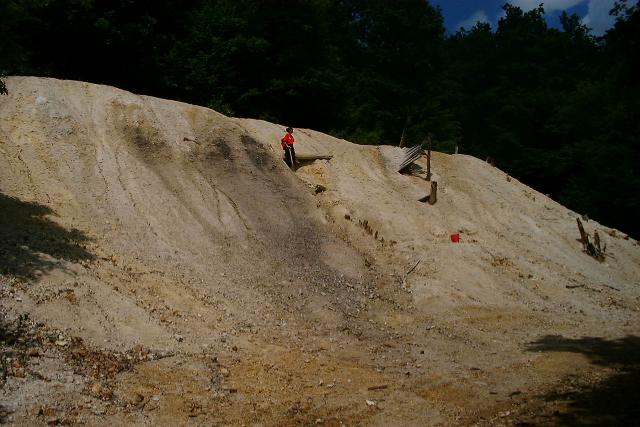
x,y
455,238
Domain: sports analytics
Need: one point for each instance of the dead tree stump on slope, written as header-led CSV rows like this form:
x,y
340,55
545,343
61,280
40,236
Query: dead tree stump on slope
x,y
433,196
592,249
584,237
596,239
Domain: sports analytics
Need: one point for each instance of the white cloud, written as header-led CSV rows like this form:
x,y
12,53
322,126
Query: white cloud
x,y
477,16
598,18
549,5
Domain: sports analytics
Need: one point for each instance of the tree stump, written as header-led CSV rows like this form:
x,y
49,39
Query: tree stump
x,y
592,249
433,196
584,237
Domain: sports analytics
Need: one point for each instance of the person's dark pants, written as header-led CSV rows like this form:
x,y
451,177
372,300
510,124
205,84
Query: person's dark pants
x,y
290,156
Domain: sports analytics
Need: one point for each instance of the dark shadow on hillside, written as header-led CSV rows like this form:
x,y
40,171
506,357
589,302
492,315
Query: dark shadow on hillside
x,y
612,402
30,242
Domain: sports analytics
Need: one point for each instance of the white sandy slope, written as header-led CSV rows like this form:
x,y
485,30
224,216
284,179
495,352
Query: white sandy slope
x,y
199,239
518,247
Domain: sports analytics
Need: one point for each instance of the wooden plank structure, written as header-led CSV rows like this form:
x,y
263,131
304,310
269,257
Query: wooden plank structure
x,y
411,155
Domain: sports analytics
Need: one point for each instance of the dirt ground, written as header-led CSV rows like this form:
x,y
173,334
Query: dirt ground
x,y
160,264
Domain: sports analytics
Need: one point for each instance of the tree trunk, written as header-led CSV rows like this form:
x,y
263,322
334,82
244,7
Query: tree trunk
x,y
429,158
404,132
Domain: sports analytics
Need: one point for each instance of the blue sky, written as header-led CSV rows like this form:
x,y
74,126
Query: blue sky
x,y
457,13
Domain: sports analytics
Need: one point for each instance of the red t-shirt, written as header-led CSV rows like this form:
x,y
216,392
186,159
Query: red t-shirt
x,y
287,139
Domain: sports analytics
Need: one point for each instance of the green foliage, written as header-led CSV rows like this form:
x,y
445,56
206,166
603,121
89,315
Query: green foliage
x,y
398,54
554,108
262,59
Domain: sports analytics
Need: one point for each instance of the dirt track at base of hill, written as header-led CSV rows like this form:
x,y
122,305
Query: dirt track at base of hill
x,y
160,264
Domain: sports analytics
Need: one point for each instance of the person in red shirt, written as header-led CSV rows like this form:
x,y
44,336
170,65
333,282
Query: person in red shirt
x,y
287,142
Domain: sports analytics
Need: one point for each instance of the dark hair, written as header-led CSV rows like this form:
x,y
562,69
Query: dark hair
x,y
289,129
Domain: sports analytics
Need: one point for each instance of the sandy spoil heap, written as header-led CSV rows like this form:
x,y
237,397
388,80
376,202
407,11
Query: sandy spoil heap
x,y
175,270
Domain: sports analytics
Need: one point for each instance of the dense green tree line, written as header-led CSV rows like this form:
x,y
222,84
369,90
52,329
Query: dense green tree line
x,y
556,108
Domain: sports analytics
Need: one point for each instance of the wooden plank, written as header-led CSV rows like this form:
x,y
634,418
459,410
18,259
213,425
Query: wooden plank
x,y
308,157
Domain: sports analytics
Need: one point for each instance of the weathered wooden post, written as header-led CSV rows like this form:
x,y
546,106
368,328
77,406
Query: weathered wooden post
x,y
429,158
433,196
